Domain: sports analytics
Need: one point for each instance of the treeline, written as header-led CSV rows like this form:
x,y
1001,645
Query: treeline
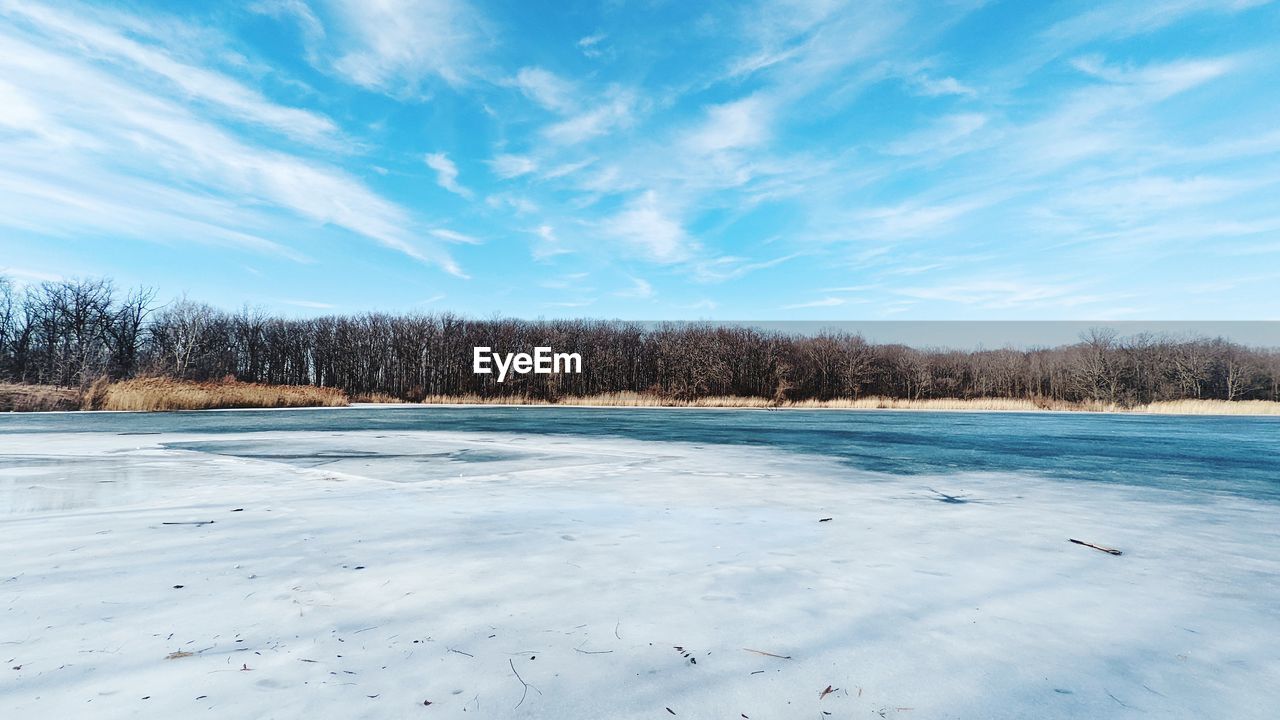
x,y
71,333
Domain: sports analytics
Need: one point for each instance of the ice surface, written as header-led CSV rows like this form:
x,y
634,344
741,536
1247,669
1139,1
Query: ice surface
x,y
360,573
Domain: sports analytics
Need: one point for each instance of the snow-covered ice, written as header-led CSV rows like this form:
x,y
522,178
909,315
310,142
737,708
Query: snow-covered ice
x,y
365,574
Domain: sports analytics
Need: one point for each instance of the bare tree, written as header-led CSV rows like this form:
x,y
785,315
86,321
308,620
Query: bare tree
x,y
181,335
71,332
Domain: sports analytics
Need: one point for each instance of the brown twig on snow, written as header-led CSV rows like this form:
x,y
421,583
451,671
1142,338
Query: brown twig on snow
x,y
522,682
1109,551
768,654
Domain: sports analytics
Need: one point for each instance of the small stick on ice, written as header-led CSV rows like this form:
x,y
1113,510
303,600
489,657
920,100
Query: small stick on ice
x,y
768,654
194,522
952,499
1109,551
522,682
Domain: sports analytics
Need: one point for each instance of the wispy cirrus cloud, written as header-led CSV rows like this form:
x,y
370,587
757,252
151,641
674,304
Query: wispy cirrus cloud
x,y
824,302
734,125
591,45
223,94
648,229
94,146
616,109
395,46
826,144
640,289
507,166
1003,294
308,304
547,89
27,276
454,236
446,173
940,86
1127,18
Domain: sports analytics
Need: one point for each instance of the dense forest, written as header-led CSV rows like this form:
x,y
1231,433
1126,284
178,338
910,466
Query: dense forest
x,y
70,333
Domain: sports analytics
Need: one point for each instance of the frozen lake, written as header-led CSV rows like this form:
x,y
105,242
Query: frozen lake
x,y
638,563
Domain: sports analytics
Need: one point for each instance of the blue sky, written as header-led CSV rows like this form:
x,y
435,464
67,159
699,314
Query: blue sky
x,y
807,159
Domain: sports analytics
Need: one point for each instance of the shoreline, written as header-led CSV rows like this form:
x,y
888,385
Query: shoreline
x,y
161,394
1272,413
816,408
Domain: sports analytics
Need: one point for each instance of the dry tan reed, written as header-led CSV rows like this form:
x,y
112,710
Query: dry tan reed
x,y
1212,407
378,398
35,398
169,394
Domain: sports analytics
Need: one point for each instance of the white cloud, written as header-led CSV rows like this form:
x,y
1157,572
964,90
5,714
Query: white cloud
x,y
454,237
824,302
570,281
19,111
446,173
850,288
640,289
25,276
96,153
912,269
296,10
548,244
570,303
394,45
590,45
1004,294
945,134
1159,80
71,203
521,205
802,45
1136,198
740,124
646,228
938,87
512,166
567,169
914,219
616,111
1136,17
728,267
546,88
224,93
1106,119
307,304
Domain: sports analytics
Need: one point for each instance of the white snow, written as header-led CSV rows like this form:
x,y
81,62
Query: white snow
x,y
354,575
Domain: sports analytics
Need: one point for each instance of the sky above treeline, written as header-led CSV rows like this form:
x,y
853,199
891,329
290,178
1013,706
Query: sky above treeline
x,y
803,159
